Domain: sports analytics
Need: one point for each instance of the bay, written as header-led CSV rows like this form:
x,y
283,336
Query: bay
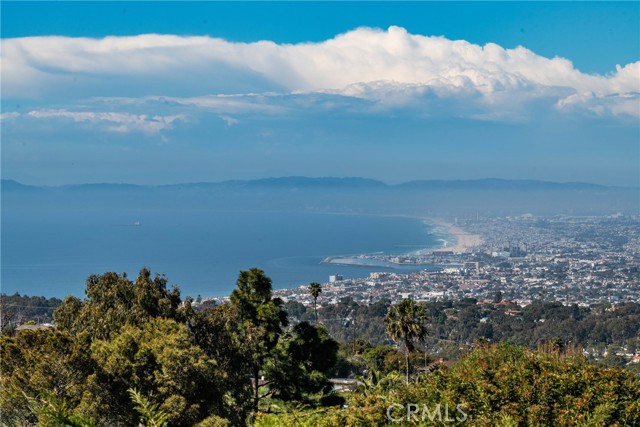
x,y
52,252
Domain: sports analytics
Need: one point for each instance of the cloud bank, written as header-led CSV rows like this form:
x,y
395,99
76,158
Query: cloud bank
x,y
115,122
387,69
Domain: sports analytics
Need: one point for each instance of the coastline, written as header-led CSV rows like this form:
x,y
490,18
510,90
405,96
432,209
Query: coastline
x,y
454,239
464,241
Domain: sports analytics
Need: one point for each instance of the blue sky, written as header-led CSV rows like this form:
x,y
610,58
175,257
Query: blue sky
x,y
165,92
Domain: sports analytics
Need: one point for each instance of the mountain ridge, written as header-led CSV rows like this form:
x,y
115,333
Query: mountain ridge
x,y
302,182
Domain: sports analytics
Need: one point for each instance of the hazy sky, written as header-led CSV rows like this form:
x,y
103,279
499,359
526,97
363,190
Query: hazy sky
x,y
164,92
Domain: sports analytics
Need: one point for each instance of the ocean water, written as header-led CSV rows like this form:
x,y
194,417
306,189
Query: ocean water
x,y
51,251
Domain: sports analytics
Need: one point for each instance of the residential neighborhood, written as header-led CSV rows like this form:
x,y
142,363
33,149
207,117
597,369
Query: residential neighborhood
x,y
574,260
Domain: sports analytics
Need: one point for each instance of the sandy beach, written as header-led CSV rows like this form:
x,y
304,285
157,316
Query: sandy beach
x,y
464,240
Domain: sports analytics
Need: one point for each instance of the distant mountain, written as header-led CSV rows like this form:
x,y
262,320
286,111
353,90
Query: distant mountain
x,y
433,198
103,187
301,182
10,185
498,184
306,182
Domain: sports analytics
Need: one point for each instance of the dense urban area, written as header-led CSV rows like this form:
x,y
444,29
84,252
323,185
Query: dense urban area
x,y
581,275
575,260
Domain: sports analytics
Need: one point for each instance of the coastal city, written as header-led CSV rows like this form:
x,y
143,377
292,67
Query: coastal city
x,y
319,213
573,260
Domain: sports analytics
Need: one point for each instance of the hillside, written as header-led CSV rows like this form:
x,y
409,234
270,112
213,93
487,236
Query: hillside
x,y
494,385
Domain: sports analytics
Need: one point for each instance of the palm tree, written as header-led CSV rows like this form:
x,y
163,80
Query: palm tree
x,y
315,289
406,322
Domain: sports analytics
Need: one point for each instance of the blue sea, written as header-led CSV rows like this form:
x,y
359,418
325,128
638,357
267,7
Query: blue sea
x,y
51,252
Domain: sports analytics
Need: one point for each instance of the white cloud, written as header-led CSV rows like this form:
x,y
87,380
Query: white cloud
x,y
249,103
263,104
9,115
602,105
389,67
115,122
230,121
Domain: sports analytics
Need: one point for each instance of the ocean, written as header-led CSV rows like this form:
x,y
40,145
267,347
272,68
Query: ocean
x,y
51,251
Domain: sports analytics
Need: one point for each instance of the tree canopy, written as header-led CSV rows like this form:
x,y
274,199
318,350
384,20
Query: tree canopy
x,y
315,289
114,301
406,322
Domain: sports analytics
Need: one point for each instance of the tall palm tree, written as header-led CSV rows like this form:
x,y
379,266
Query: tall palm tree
x,y
406,322
315,289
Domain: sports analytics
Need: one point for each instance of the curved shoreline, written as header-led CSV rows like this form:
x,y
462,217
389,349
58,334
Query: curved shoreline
x,y
464,242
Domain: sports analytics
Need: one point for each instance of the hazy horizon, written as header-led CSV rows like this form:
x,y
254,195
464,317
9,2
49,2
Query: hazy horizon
x,y
165,92
319,178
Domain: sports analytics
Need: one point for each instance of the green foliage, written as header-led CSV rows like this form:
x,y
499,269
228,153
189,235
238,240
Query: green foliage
x,y
315,289
375,381
134,335
495,385
214,421
216,331
346,363
406,323
36,362
261,320
248,339
295,310
158,358
261,317
253,297
152,415
16,309
381,358
312,347
54,412
298,366
369,320
134,351
114,301
297,415
456,325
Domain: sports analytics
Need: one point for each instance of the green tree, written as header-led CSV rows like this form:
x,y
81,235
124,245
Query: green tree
x,y
299,364
7,311
160,360
114,301
315,289
295,310
494,385
380,358
151,413
37,362
54,412
261,321
406,322
217,332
